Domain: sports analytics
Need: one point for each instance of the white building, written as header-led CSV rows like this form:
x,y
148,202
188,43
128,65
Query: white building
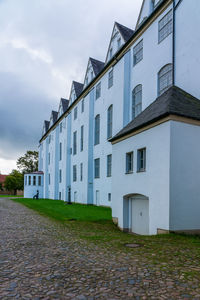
x,y
128,136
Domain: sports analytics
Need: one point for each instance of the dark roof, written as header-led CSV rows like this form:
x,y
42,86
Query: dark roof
x,y
125,31
97,65
78,87
46,125
65,104
174,101
55,116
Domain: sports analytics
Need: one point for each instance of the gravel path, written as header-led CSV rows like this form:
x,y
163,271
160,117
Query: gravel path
x,y
41,259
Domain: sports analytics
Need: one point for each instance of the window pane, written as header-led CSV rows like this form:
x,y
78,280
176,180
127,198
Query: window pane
x,y
109,121
97,130
164,79
137,101
165,26
138,53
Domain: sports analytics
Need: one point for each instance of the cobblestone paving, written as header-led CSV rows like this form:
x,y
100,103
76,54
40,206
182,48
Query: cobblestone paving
x,y
41,259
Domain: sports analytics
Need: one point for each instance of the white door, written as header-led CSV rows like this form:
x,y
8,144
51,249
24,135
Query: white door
x,y
140,216
97,197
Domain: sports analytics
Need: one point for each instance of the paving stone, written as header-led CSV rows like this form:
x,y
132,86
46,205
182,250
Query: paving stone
x,y
42,259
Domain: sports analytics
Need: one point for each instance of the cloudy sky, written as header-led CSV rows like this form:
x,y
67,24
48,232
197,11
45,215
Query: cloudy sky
x,y
44,45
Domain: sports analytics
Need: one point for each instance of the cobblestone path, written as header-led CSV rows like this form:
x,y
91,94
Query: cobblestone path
x,y
41,259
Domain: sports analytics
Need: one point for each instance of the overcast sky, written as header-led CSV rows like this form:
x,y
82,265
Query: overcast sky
x,y
44,45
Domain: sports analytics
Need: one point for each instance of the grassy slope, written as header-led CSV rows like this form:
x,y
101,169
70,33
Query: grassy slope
x,y
9,196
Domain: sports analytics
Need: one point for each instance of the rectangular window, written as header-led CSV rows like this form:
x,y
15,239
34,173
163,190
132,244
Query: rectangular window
x,y
82,133
34,180
98,90
39,180
129,162
75,113
25,180
81,172
60,196
61,127
141,160
75,143
49,178
110,79
60,176
109,165
60,152
109,121
74,173
82,106
97,130
97,168
109,197
165,26
119,43
49,158
29,180
138,53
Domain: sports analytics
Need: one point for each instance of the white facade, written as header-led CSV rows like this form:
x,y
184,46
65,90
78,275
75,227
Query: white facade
x,y
134,59
33,184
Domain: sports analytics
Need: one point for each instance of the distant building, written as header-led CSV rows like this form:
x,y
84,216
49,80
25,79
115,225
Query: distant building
x,y
128,137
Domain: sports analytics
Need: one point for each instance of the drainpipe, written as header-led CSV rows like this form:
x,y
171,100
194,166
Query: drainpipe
x,y
173,44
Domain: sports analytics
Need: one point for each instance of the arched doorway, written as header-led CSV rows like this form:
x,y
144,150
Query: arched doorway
x,y
136,213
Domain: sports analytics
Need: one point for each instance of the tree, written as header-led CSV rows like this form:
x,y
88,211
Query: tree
x,y
28,163
14,181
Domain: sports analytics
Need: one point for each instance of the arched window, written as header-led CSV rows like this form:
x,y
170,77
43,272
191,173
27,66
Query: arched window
x,y
109,121
164,79
97,130
136,101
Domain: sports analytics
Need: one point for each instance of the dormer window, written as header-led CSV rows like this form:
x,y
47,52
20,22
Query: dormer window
x,y
119,43
86,81
111,53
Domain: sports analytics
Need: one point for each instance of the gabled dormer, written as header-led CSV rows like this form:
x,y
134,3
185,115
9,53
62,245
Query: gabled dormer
x,y
146,9
120,35
53,118
76,90
94,67
45,127
64,103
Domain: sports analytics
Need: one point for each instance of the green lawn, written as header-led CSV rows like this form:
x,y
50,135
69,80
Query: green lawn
x,y
8,196
171,252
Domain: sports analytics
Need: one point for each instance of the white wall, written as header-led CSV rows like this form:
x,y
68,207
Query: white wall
x,y
31,190
187,68
154,183
184,177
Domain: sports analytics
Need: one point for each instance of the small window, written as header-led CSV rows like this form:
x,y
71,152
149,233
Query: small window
x,y
97,168
60,176
119,41
60,151
49,158
49,178
98,90
75,143
138,53
110,79
165,26
111,53
34,180
29,180
75,113
141,160
74,173
97,130
39,180
109,165
82,106
60,196
61,127
82,134
129,162
109,121
109,197
164,79
136,101
25,180
81,172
